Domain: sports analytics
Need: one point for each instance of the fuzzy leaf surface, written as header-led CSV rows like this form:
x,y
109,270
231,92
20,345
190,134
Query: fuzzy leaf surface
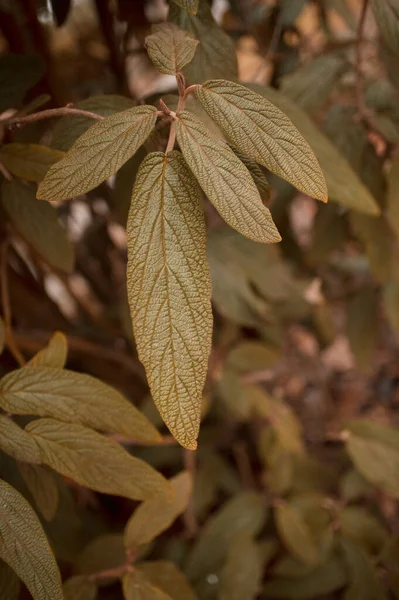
x,y
42,484
170,48
15,442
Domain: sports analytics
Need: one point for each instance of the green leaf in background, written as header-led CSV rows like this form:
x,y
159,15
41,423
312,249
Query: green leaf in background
x,y
170,48
216,53
79,588
24,547
95,461
42,484
73,397
353,486
98,153
136,587
378,242
250,355
54,355
18,73
363,580
166,576
69,128
362,327
122,190
169,289
393,196
29,161
225,180
242,572
156,515
9,583
363,528
374,449
296,534
390,295
256,173
387,16
260,130
38,224
343,184
15,442
190,5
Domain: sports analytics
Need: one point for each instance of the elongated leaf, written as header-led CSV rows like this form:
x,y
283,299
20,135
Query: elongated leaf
x,y
363,578
79,588
167,577
263,132
18,73
53,355
256,173
98,153
9,583
169,289
242,573
24,547
296,534
42,484
95,461
38,224
154,516
344,185
170,48
29,161
190,5
387,16
136,587
17,443
74,397
225,180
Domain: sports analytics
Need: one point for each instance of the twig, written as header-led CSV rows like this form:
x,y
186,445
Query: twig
x,y
51,113
5,301
189,516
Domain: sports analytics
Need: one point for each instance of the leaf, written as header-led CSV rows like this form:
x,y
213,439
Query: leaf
x,y
18,73
392,213
15,442
353,486
344,185
122,191
98,153
296,534
387,16
225,180
391,302
2,335
156,515
29,161
73,397
170,48
69,128
264,133
374,449
136,587
24,547
250,355
242,573
95,461
190,5
362,327
38,224
378,243
216,54
363,529
101,553
245,512
79,588
54,355
169,290
9,583
290,11
165,576
256,173
42,485
363,578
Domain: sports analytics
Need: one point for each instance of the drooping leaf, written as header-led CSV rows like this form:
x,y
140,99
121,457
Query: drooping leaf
x,y
387,16
242,572
225,180
42,484
363,580
53,355
29,161
15,442
137,587
24,547
73,397
169,289
393,196
98,153
263,132
296,534
95,461
9,583
344,185
166,576
215,55
38,224
18,73
170,48
79,588
190,5
362,327
152,517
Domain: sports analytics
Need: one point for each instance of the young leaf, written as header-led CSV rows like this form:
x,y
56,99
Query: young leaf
x,y
42,484
24,547
296,534
79,588
29,161
38,224
190,5
53,355
98,153
9,583
73,397
165,576
157,514
169,289
95,461
242,573
264,133
15,442
225,180
170,48
136,587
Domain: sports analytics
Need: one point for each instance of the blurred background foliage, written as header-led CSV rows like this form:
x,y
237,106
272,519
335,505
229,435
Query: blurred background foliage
x,y
297,473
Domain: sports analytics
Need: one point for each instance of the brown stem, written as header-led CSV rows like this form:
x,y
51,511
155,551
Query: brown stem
x,y
190,90
51,113
6,304
189,516
172,137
